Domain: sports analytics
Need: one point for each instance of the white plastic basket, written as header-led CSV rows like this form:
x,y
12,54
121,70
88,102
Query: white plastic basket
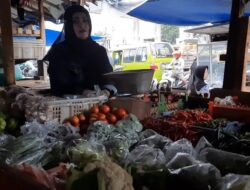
x,y
62,109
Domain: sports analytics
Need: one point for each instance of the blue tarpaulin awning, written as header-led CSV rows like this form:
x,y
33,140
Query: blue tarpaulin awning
x,y
52,32
185,12
51,36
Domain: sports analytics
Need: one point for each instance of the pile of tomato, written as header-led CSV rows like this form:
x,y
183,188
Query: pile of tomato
x,y
103,113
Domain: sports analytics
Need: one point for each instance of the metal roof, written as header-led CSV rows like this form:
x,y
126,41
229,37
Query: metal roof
x,y
211,29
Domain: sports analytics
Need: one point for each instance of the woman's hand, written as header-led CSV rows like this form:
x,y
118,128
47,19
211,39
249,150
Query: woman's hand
x,y
93,93
89,93
105,93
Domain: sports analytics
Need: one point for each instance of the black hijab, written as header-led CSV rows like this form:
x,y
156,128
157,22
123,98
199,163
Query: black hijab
x,y
199,77
80,47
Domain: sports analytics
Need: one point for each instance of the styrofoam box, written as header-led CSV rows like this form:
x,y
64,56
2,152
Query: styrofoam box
x,y
63,109
29,49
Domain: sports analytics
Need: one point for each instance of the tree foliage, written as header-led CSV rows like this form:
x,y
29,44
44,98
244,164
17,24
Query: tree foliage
x,y
169,33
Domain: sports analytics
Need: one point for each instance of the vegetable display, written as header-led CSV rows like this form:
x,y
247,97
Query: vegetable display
x,y
178,125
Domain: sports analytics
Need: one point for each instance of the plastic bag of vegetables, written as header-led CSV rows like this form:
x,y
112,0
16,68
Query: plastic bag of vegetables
x,y
100,175
182,145
84,151
154,139
146,156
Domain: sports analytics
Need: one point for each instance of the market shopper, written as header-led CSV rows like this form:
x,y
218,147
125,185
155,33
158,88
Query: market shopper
x,y
198,86
77,63
178,67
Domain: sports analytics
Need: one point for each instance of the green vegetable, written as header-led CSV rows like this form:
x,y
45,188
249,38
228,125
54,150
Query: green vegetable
x,y
3,116
12,124
2,124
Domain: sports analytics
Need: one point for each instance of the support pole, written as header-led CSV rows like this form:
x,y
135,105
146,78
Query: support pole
x,y
235,59
41,16
7,42
42,71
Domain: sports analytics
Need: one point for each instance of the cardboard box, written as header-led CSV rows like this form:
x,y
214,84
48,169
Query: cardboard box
x,y
29,27
19,30
28,31
137,107
36,32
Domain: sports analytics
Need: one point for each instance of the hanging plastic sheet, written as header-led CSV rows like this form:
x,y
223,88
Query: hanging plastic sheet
x,y
125,5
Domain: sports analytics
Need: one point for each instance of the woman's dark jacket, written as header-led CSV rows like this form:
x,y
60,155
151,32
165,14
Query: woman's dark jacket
x,y
71,71
76,64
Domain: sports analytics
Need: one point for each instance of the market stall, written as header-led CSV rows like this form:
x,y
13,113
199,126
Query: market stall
x,y
140,139
65,143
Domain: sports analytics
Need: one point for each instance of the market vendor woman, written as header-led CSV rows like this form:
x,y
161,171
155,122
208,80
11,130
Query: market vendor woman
x,y
78,63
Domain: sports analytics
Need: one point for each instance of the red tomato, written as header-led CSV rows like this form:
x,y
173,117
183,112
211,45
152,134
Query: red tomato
x,y
81,117
94,109
120,113
105,108
101,116
112,118
75,121
94,115
126,115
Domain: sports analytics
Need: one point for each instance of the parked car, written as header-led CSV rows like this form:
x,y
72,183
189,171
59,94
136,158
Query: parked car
x,y
143,56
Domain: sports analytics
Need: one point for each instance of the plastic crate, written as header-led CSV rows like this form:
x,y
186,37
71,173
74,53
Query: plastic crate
x,y
62,109
230,113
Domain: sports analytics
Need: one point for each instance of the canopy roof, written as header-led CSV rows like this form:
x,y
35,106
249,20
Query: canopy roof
x,y
185,12
211,29
173,12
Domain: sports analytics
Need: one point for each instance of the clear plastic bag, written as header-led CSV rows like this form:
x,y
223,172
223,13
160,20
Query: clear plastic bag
x,y
51,131
132,136
84,151
27,149
226,162
99,131
232,128
182,145
202,143
41,144
181,160
117,146
202,176
156,141
144,155
129,124
234,181
147,133
6,139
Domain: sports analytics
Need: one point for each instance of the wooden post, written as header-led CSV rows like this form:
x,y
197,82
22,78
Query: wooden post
x,y
41,66
41,15
7,42
235,57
